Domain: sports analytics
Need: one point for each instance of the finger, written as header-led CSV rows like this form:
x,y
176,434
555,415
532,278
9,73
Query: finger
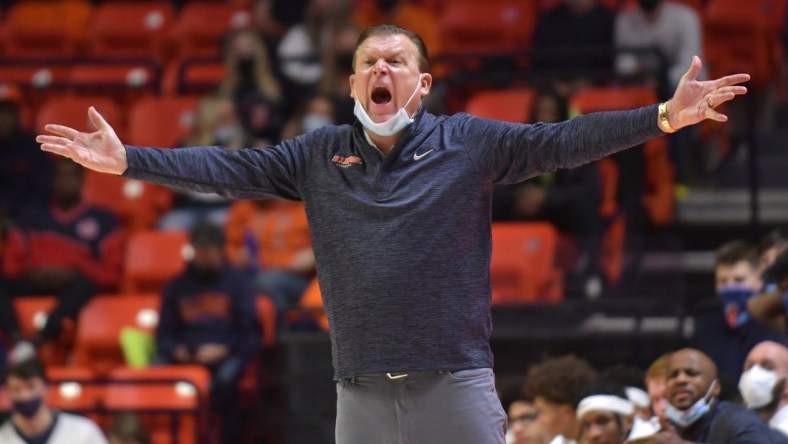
x,y
97,120
56,140
714,115
694,69
60,150
69,133
717,99
737,90
732,79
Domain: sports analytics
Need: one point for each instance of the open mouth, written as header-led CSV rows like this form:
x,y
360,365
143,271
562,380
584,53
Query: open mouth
x,y
381,95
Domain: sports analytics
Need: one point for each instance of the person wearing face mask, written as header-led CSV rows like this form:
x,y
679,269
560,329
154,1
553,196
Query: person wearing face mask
x,y
398,206
771,306
671,27
696,415
724,327
32,421
763,384
315,113
208,318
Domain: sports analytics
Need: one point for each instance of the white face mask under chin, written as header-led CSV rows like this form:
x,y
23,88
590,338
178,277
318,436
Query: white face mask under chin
x,y
393,125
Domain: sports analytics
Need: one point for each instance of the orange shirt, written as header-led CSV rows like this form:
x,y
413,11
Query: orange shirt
x,y
278,229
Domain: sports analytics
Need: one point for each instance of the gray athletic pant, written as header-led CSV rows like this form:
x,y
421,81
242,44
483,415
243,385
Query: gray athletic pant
x,y
458,407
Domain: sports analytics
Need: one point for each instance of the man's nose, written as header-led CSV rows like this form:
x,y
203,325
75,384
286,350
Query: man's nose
x,y
380,67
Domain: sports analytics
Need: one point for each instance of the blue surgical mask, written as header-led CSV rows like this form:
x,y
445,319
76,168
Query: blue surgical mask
x,y
313,121
29,407
393,125
734,300
685,418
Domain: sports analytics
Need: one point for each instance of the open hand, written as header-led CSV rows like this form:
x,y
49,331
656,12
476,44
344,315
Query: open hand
x,y
100,150
695,100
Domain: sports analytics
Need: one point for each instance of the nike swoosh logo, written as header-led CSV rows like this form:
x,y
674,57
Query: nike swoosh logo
x,y
419,156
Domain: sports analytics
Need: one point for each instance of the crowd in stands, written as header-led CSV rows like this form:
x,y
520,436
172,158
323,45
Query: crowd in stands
x,y
251,73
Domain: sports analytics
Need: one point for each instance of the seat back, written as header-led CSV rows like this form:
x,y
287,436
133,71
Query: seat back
x,y
153,258
489,27
522,265
32,313
266,313
72,111
138,204
126,29
312,302
100,324
200,26
161,121
509,105
46,29
172,400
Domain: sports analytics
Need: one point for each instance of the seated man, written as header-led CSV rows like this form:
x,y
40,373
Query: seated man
x,y
556,386
605,415
208,318
522,425
69,249
763,384
656,383
695,414
32,421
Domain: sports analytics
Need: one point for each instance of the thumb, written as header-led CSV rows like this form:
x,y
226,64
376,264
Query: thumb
x,y
694,69
97,120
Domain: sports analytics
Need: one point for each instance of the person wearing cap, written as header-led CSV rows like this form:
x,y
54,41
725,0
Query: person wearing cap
x,y
605,416
763,384
208,318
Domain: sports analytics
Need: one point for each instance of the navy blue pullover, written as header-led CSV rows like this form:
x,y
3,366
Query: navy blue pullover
x,y
402,241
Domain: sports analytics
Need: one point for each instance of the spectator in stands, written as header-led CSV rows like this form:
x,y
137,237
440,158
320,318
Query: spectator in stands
x,y
127,428
724,328
249,69
573,43
522,425
770,248
696,415
557,386
25,172
338,64
569,199
261,119
300,50
763,384
671,28
656,383
208,318
271,238
32,420
770,306
605,415
314,113
216,124
69,249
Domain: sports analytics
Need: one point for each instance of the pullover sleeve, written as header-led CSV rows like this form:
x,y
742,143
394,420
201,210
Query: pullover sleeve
x,y
250,173
508,153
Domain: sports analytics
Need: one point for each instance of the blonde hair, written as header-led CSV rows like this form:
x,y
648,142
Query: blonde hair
x,y
267,83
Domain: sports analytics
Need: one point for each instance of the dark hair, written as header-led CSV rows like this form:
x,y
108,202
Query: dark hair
x,y
771,240
611,389
778,272
128,426
736,251
27,369
387,29
206,234
561,380
549,93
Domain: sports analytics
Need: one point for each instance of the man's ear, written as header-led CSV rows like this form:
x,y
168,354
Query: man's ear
x,y
352,81
717,388
426,83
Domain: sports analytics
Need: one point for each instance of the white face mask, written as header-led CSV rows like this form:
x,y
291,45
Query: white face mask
x,y
393,125
756,386
694,412
313,121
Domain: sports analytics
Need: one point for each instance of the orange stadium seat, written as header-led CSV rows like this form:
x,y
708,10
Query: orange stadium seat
x,y
73,111
138,204
522,267
659,171
32,313
312,302
100,323
38,80
611,256
487,26
73,389
38,29
161,395
510,105
200,26
124,82
153,258
266,313
193,76
161,121
126,29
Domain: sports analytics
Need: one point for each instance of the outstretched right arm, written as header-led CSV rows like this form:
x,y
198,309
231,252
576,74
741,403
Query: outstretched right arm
x,y
247,174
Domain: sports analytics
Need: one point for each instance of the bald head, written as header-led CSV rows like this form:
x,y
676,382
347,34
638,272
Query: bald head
x,y
769,355
691,374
